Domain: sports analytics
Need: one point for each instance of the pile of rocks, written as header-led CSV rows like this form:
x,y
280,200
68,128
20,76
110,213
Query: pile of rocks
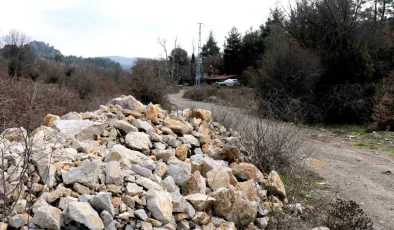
x,y
131,166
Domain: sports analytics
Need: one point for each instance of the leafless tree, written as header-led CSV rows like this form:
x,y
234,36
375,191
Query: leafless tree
x,y
163,44
17,52
170,65
15,37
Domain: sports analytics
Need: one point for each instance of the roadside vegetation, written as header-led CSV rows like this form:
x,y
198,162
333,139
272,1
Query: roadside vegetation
x,y
272,145
36,79
316,62
240,97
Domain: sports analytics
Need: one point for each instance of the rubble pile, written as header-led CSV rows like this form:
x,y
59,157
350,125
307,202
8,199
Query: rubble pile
x,y
131,166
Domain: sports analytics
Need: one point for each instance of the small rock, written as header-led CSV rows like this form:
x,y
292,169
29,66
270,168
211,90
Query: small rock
x,y
71,116
128,102
107,220
138,141
201,218
249,189
102,201
204,115
148,184
129,201
133,189
178,126
200,202
173,142
183,225
49,119
143,125
113,173
161,169
220,178
81,189
262,223
64,201
228,226
141,171
273,205
19,220
125,126
83,213
239,210
196,184
182,151
3,226
160,204
275,184
164,155
87,174
59,192
155,223
159,146
180,173
125,216
48,217
190,139
295,209
155,114
141,214
247,171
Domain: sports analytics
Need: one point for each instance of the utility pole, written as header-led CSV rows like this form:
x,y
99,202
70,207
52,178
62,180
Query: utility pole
x,y
199,56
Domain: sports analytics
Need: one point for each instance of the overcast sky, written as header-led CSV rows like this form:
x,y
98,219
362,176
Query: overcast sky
x,y
128,28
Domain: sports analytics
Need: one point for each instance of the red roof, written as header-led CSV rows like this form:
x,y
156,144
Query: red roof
x,y
221,77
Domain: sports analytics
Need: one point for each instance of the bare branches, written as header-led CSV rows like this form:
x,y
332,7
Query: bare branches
x,y
17,38
170,64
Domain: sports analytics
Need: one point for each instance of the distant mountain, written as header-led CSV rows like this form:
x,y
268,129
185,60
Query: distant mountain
x,y
125,62
43,49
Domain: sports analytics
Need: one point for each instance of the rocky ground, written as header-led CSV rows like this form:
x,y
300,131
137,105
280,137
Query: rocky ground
x,y
348,171
131,166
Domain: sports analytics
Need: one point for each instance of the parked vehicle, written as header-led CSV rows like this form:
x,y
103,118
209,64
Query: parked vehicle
x,y
219,83
231,82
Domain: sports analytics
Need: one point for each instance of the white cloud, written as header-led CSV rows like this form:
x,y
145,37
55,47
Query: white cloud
x,y
128,28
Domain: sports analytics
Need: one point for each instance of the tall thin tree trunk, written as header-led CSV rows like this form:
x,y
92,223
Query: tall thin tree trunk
x,y
383,10
376,10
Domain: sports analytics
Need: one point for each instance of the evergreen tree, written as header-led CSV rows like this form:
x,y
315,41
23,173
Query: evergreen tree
x,y
210,48
232,52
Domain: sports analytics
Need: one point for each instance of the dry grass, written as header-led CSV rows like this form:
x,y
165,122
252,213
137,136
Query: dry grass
x,y
278,146
239,97
24,103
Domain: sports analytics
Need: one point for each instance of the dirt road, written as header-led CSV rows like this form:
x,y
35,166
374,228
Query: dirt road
x,y
353,173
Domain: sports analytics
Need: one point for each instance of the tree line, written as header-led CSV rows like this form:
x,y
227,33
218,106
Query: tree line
x,y
327,61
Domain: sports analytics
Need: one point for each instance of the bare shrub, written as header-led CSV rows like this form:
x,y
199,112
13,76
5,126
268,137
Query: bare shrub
x,y
148,82
17,99
51,71
269,145
276,146
347,215
202,93
240,97
383,114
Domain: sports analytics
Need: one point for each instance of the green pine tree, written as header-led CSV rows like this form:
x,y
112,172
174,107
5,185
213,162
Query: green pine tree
x,y
210,48
232,52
